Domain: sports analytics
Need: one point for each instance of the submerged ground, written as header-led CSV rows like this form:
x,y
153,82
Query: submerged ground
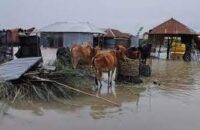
x,y
174,105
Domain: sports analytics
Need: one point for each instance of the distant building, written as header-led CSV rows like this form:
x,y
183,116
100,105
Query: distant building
x,y
170,30
65,34
134,41
146,36
15,38
113,37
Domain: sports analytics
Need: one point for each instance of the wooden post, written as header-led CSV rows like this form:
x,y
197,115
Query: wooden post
x,y
168,47
159,51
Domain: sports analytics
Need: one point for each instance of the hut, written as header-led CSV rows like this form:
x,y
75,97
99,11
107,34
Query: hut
x,y
28,46
11,38
5,48
171,30
62,34
113,37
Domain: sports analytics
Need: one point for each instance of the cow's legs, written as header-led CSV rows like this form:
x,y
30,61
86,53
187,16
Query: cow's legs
x,y
100,83
108,78
98,79
111,78
75,62
145,59
97,82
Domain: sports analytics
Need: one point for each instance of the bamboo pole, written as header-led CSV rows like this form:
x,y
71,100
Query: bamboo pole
x,y
74,89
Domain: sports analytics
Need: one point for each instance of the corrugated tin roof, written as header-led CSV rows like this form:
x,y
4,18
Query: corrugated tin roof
x,y
113,33
172,26
14,69
83,27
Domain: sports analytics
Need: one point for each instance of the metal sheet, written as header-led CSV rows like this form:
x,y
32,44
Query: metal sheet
x,y
83,27
16,68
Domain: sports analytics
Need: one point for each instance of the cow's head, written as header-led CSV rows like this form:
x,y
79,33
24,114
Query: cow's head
x,y
121,52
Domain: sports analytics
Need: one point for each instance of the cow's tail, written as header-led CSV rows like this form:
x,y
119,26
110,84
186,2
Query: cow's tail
x,y
93,67
92,62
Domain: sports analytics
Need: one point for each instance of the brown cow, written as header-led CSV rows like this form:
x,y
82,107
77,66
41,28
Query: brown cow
x,y
106,61
142,52
82,53
133,53
121,52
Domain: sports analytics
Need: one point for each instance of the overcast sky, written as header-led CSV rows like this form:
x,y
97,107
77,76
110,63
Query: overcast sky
x,y
126,15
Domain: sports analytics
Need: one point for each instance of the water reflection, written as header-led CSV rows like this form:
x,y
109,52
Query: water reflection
x,y
105,90
174,104
97,108
175,76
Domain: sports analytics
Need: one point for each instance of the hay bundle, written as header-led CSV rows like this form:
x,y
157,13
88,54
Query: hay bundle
x,y
129,67
31,89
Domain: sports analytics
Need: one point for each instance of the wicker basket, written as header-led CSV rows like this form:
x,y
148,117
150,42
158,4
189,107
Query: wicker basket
x,y
129,67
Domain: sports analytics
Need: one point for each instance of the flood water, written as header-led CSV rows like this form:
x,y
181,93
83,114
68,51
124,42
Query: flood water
x,y
174,105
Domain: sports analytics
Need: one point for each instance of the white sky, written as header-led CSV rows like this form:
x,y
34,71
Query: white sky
x,y
126,15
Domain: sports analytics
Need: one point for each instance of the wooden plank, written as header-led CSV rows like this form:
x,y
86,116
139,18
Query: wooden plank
x,y
16,68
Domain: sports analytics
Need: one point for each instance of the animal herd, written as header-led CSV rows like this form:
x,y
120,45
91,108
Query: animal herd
x,y
105,60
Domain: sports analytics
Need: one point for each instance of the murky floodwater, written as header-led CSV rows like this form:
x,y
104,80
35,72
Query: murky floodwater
x,y
174,105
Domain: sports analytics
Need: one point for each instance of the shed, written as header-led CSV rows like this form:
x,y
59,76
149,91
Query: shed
x,y
28,46
65,34
113,37
170,30
10,38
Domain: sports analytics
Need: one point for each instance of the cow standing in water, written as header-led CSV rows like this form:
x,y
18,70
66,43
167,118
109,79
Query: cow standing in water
x,y
83,53
142,52
145,52
107,62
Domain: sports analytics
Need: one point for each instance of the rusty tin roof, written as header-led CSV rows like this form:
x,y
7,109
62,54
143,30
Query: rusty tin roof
x,y
113,33
173,27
